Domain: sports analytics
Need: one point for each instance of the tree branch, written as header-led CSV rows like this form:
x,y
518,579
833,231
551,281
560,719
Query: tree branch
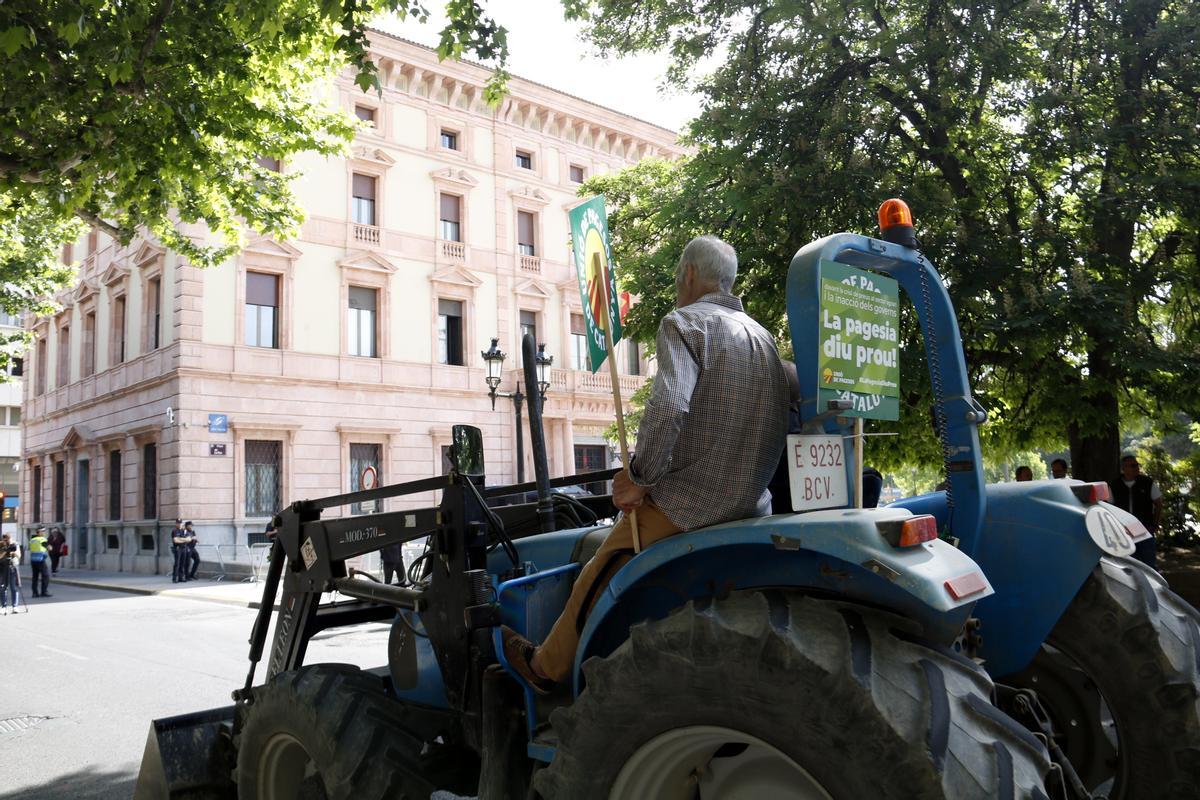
x,y
936,140
14,165
155,28
112,230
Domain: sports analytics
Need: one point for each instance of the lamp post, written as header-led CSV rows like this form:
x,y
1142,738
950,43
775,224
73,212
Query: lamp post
x,y
493,358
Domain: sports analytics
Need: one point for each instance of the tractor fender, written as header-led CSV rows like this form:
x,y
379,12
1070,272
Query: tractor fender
x,y
837,553
1036,551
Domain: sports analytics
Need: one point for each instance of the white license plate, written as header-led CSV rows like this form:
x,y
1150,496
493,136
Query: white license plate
x,y
817,469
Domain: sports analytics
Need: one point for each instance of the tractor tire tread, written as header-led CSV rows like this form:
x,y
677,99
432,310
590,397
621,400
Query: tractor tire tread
x,y
910,716
364,750
1126,618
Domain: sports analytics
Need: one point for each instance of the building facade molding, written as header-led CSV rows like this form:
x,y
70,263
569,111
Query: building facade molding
x,y
307,392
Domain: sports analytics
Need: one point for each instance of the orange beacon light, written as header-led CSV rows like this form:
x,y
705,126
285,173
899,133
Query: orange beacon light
x,y
896,223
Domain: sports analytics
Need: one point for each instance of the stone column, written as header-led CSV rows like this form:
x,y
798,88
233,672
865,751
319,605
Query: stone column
x,y
568,447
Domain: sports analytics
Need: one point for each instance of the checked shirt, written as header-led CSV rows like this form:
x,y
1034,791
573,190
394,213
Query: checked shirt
x,y
715,424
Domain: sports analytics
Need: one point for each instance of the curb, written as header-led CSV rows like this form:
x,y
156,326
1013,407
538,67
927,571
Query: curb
x,y
178,593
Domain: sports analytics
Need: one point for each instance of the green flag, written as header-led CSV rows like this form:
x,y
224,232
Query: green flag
x,y
594,269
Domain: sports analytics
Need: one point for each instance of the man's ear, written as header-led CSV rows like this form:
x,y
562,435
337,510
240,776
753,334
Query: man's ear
x,y
689,275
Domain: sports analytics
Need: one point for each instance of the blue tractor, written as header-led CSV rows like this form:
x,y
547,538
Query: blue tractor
x,y
836,653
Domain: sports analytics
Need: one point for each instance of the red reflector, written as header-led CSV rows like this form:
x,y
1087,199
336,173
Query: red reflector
x,y
917,530
966,585
1092,493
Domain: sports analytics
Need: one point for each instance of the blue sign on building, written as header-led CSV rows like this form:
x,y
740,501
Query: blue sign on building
x,y
218,423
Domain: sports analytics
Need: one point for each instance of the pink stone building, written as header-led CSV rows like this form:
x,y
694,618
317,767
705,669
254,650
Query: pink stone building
x,y
163,391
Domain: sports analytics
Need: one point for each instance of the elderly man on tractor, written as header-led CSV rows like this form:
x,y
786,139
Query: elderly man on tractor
x,y
709,441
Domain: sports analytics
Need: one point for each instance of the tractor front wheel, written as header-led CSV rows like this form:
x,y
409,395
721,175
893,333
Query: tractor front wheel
x,y
1119,677
327,732
772,694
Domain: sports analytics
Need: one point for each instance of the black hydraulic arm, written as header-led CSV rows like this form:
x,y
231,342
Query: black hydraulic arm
x,y
554,483
262,621
383,492
537,436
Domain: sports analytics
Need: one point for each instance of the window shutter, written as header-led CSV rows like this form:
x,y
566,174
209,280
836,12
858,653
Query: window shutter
x,y
363,298
525,228
262,290
577,326
450,208
364,186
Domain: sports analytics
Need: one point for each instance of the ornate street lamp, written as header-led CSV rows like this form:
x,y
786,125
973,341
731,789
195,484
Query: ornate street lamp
x,y
543,362
493,358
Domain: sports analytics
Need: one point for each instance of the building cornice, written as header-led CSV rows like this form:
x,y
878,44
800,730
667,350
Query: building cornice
x,y
397,56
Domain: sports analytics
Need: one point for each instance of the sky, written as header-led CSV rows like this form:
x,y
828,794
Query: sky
x,y
545,48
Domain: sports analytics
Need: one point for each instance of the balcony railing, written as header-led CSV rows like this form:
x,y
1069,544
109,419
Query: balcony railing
x,y
367,234
568,380
455,251
530,264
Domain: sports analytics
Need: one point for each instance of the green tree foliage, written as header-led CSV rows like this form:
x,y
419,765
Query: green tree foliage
x,y
1050,153
154,113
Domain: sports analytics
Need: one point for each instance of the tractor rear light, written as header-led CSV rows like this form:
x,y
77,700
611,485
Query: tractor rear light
x,y
896,223
966,585
1092,493
909,532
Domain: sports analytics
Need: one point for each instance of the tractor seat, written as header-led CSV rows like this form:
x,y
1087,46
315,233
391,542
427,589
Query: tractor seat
x,y
588,544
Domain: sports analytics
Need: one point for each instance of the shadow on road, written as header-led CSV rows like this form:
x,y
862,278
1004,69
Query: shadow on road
x,y
83,784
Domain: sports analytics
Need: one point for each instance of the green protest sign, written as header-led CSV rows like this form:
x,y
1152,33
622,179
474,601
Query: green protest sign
x,y
859,338
593,267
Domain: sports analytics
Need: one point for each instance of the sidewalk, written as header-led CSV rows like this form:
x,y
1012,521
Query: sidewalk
x,y
229,591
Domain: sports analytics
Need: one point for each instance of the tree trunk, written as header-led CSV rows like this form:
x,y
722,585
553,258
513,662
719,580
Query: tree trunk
x,y
1095,453
1096,441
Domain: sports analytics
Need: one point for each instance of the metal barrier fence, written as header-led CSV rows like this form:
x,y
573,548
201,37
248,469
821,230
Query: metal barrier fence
x,y
216,548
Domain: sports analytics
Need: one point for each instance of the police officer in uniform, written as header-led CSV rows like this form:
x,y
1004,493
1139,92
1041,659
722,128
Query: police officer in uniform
x,y
1139,495
193,557
179,543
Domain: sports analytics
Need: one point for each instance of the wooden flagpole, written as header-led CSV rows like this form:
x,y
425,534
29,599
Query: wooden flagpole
x,y
616,388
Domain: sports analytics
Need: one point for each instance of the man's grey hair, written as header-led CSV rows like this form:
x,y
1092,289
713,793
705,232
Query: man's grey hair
x,y
715,260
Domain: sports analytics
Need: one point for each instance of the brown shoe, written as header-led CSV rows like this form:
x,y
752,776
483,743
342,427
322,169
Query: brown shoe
x,y
519,652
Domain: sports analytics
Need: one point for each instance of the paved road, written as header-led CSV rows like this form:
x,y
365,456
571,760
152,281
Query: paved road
x,y
84,672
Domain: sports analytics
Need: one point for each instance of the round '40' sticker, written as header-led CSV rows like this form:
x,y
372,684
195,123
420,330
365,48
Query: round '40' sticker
x,y
1107,532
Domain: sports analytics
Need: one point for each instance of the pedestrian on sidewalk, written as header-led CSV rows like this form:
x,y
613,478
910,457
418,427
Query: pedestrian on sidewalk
x,y
39,562
10,557
393,563
57,543
193,557
179,540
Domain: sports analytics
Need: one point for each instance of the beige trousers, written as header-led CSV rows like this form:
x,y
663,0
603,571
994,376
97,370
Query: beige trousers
x,y
556,655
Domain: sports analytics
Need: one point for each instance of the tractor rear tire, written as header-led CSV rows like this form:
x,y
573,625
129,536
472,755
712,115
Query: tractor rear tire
x,y
1126,637
774,694
328,732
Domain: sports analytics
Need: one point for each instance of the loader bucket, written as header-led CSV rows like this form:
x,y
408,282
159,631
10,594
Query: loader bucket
x,y
188,756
